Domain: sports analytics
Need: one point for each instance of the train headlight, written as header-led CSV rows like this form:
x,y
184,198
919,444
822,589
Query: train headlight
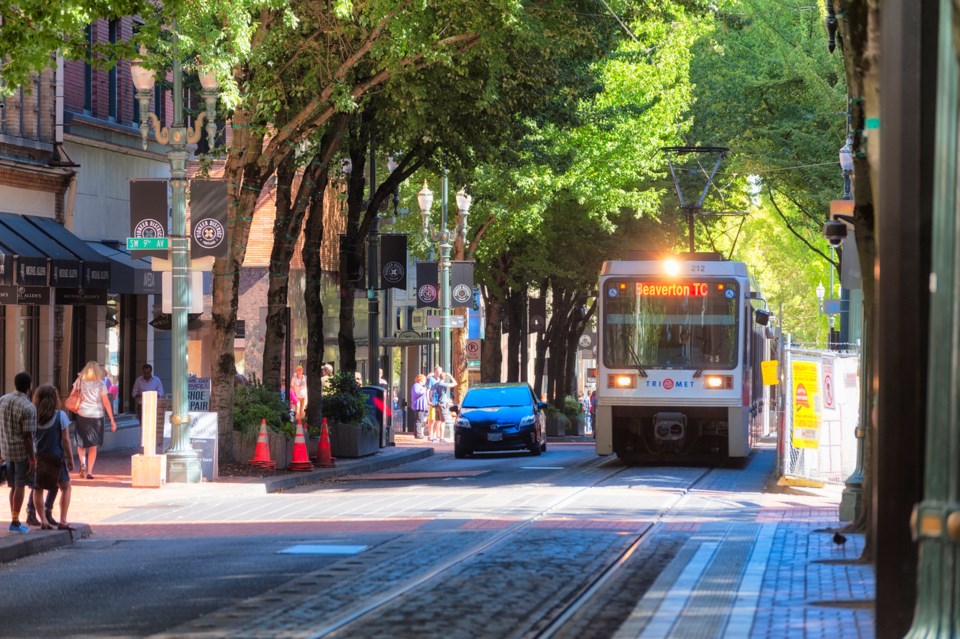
x,y
718,382
671,267
622,380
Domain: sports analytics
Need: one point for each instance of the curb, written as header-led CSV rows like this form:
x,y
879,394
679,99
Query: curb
x,y
16,546
274,484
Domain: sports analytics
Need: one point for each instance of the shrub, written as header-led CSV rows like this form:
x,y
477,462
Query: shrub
x,y
571,406
255,402
343,403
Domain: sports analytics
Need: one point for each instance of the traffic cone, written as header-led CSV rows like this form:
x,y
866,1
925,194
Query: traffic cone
x,y
300,460
261,456
324,460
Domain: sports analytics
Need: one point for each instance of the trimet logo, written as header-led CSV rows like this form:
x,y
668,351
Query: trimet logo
x,y
427,293
668,384
148,228
209,233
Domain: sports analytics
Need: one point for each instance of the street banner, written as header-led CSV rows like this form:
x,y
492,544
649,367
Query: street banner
x,y
428,288
587,341
148,213
358,277
806,404
461,284
208,218
538,314
393,261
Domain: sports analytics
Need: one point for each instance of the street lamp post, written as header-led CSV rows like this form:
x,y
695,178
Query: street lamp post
x,y
445,238
183,464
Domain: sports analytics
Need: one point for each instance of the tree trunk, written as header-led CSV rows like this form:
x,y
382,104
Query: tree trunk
x,y
491,356
246,172
286,225
513,309
539,364
351,256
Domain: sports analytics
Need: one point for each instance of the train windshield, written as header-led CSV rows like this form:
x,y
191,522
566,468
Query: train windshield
x,y
655,323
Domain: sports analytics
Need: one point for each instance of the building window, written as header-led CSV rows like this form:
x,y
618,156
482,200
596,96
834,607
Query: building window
x,y
159,103
30,338
112,29
88,72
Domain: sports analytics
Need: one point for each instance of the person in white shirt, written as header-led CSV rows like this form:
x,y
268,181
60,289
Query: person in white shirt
x,y
146,382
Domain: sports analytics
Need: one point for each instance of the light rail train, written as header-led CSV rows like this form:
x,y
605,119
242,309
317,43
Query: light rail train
x,y
680,346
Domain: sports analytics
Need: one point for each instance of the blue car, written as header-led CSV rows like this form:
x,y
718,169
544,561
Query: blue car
x,y
496,417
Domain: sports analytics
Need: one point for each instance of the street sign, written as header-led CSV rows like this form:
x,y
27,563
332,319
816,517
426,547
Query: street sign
x,y
148,243
456,321
831,306
473,349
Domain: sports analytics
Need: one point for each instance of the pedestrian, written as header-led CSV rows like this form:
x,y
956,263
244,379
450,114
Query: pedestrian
x,y
442,399
52,438
146,382
431,407
18,423
593,412
326,372
418,403
94,402
298,393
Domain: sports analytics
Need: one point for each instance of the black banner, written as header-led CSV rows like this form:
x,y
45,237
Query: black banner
x,y
393,261
6,269
148,213
358,260
31,271
461,284
80,296
588,340
208,217
25,295
537,307
428,287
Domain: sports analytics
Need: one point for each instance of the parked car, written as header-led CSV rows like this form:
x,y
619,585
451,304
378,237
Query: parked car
x,y
500,417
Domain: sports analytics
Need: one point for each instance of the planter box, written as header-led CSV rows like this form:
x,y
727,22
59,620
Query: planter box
x,y
281,449
557,425
353,440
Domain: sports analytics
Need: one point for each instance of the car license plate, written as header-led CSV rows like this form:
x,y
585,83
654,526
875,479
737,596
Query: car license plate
x,y
494,437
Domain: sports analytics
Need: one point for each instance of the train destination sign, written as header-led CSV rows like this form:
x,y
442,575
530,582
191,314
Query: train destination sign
x,y
687,289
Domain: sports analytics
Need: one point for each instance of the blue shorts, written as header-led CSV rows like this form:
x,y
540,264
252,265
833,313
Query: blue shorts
x,y
17,474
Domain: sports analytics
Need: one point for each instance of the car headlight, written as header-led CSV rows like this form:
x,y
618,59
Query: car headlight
x,y
528,420
463,422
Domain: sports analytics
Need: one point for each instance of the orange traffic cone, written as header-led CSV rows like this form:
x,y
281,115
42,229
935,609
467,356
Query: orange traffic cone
x,y
261,457
324,460
300,460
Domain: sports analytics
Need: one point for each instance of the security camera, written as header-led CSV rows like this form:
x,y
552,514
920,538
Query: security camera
x,y
835,232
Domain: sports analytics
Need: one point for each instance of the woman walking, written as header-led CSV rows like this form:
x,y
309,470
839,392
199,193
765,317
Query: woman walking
x,y
94,401
53,438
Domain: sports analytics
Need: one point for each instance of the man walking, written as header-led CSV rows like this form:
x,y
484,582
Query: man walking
x,y
18,423
442,400
144,383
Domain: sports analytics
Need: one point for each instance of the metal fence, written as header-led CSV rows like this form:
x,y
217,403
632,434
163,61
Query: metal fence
x,y
818,410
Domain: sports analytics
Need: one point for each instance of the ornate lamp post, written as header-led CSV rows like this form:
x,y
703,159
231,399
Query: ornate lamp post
x,y
445,238
183,465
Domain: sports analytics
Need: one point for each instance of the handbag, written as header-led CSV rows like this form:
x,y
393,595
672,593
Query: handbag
x,y
72,403
48,470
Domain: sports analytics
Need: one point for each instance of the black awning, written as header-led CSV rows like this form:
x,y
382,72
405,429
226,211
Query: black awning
x,y
128,274
96,269
31,264
65,267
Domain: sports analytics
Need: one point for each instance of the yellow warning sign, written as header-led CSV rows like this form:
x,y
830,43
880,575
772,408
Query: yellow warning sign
x,y
806,408
768,371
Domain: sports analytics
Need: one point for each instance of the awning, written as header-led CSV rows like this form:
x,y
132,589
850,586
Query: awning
x,y
65,267
96,270
128,274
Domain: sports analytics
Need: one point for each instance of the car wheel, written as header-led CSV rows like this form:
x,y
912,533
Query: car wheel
x,y
535,449
543,447
460,452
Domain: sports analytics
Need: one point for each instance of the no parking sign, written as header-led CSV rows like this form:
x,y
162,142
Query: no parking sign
x,y
829,391
473,349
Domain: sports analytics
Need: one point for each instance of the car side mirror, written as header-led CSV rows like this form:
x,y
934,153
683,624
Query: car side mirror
x,y
541,405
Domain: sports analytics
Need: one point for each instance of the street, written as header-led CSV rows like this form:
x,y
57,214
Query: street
x,y
566,545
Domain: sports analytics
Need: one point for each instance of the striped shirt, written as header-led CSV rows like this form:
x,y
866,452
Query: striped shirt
x,y
17,416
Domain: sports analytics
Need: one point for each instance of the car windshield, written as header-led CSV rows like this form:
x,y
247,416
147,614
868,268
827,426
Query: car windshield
x,y
665,324
497,397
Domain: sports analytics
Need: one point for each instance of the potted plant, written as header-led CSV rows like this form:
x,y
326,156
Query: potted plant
x,y
344,407
254,403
